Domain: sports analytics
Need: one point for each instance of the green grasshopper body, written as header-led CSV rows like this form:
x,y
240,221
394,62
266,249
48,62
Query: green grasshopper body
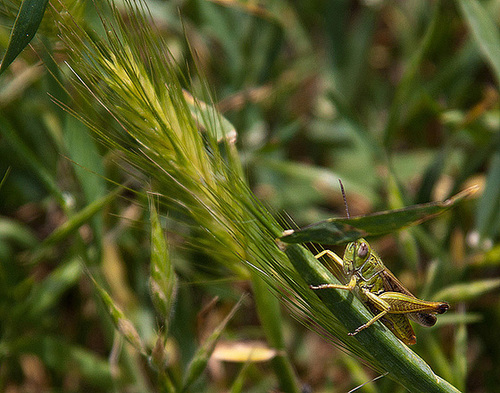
x,y
382,292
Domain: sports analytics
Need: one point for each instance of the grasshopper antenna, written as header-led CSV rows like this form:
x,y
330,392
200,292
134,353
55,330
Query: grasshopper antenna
x,y
345,199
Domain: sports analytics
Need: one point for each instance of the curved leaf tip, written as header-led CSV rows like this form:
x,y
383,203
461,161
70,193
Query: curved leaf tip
x,y
344,230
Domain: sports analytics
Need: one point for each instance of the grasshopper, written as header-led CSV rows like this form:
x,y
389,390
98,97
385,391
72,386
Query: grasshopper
x,y
385,296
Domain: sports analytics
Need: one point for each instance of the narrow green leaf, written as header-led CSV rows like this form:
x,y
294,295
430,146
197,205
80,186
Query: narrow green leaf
x,y
13,231
342,230
460,355
488,207
31,160
484,31
48,292
200,359
88,165
269,311
207,117
467,291
358,374
451,318
121,322
238,384
65,358
75,222
439,358
357,45
27,22
5,176
409,81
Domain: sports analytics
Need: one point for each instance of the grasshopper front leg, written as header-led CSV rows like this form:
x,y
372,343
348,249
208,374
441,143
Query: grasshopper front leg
x,y
372,298
337,260
348,287
332,256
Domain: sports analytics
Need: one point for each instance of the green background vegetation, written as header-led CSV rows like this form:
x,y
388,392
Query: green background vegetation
x,y
398,99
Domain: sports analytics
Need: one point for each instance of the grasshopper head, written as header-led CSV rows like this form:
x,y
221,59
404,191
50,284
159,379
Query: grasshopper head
x,y
355,256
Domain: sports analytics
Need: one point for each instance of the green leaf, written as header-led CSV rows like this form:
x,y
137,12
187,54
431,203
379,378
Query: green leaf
x,y
460,355
65,358
467,291
20,146
48,292
88,165
5,176
26,25
238,384
343,230
13,231
453,318
73,223
200,359
207,117
485,32
270,318
359,374
488,207
121,322
409,80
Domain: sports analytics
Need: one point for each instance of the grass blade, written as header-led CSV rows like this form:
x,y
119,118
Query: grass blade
x,y
120,321
200,359
488,208
47,293
485,32
26,25
343,230
74,222
269,308
468,291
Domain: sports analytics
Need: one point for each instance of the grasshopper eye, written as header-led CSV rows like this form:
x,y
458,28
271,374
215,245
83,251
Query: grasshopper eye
x,y
363,250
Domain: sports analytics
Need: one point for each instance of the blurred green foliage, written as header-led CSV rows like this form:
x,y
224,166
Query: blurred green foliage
x,y
398,99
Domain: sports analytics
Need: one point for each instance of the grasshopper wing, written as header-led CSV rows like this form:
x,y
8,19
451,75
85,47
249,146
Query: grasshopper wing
x,y
392,284
423,319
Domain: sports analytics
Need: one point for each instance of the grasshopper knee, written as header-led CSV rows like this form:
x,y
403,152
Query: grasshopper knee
x,y
443,307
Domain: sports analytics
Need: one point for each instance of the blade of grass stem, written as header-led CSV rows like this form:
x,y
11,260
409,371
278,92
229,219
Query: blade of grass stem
x,y
26,25
73,223
485,32
199,361
269,311
407,82
45,176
